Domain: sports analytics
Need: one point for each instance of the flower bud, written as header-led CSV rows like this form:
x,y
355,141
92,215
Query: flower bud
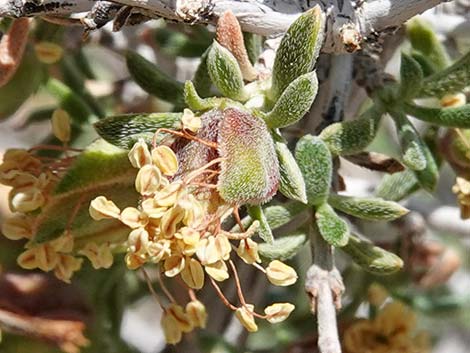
x,y
168,195
100,256
147,180
248,251
133,218
246,318
197,314
376,294
183,322
102,208
217,271
165,159
17,227
48,52
138,241
41,256
27,199
139,155
66,266
61,125
170,221
190,121
159,250
171,331
453,100
134,261
278,312
174,265
193,274
280,274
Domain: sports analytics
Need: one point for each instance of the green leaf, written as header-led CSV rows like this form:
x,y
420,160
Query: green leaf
x,y
173,43
413,148
298,50
351,137
283,248
372,209
100,163
451,80
294,102
396,187
411,76
22,85
292,182
225,72
152,80
249,169
194,102
125,130
264,230
372,258
426,65
424,40
450,117
315,162
202,80
429,176
332,228
276,216
253,45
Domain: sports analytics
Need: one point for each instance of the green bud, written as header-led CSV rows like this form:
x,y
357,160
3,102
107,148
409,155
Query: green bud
x,y
283,248
351,137
225,72
372,258
412,146
451,117
315,162
294,102
292,183
298,50
152,80
451,80
411,76
264,230
332,228
125,130
372,209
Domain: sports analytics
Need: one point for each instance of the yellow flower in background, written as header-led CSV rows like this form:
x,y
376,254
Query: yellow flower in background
x,y
462,190
391,331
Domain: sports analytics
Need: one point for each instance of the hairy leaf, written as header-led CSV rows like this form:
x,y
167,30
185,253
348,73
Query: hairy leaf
x,y
298,50
283,248
411,76
225,73
194,102
354,136
397,186
332,228
315,162
292,182
249,169
294,102
414,154
124,130
202,80
152,80
372,258
264,230
367,208
450,117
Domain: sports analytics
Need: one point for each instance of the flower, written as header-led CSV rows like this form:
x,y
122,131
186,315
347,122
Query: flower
x,y
391,331
246,318
278,312
280,274
61,125
462,190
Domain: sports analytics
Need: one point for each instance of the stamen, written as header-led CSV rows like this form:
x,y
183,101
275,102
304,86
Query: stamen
x,y
183,134
195,173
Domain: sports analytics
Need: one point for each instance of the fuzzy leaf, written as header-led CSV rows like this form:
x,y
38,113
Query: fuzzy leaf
x,y
152,80
414,154
332,228
202,80
372,258
225,73
253,45
250,170
294,102
426,65
124,130
298,50
194,102
424,40
397,186
22,85
451,80
264,230
315,162
372,209
354,136
276,216
283,248
292,182
450,117
411,76
100,163
429,176
173,43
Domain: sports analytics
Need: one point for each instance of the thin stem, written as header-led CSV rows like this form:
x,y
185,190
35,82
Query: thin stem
x,y
222,296
237,283
164,288
150,287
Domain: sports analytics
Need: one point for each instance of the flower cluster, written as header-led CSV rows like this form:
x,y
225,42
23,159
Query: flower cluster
x,y
178,225
392,330
33,179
